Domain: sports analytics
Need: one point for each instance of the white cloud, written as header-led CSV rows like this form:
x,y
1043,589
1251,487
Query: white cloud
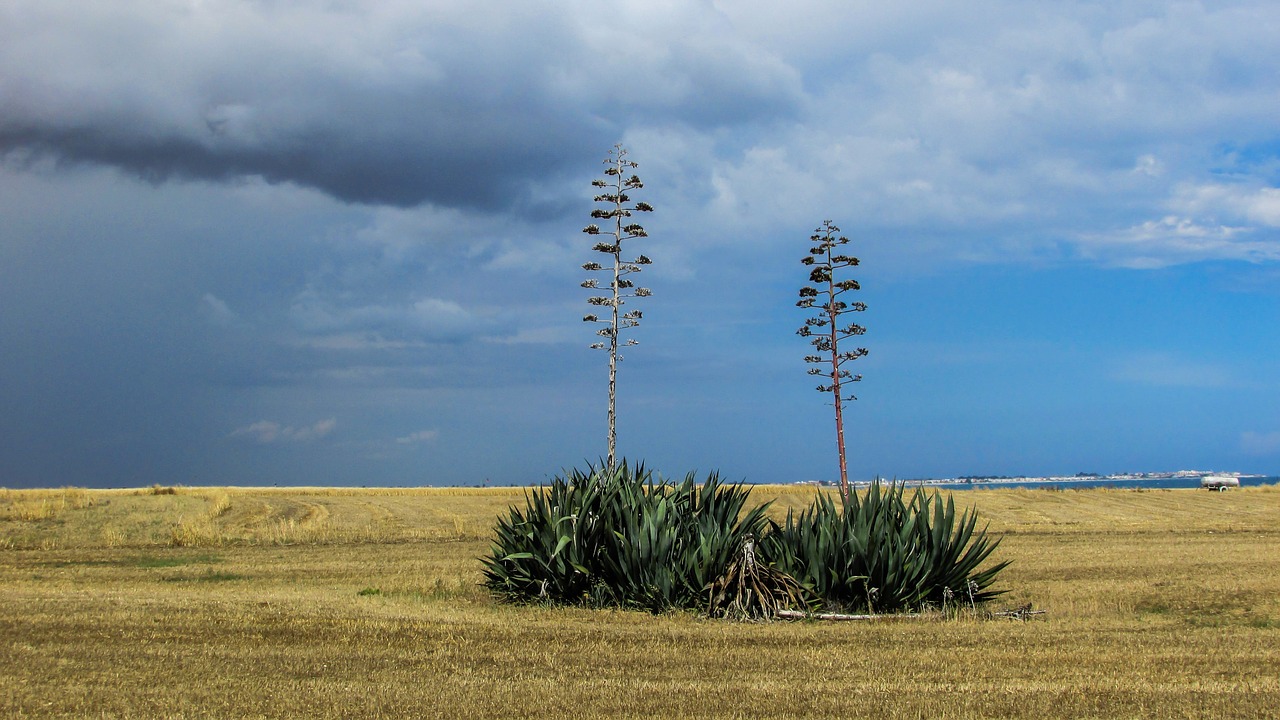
x,y
318,430
542,335
1212,221
264,431
217,311
1260,205
1148,165
418,437
1014,136
267,431
1172,240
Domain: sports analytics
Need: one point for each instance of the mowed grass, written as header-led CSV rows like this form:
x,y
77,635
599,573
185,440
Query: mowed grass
x,y
224,602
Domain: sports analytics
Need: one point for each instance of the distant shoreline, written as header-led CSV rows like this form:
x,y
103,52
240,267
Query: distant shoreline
x,y
1167,480
1182,479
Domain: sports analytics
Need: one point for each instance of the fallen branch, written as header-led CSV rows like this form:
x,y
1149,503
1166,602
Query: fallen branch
x,y
1021,613
801,615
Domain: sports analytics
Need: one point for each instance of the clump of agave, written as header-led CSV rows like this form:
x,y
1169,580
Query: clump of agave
x,y
885,553
622,538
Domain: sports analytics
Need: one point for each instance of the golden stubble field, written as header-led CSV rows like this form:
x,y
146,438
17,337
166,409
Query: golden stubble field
x,y
364,603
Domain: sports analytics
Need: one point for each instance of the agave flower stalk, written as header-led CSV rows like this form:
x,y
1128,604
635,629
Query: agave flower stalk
x,y
616,209
825,331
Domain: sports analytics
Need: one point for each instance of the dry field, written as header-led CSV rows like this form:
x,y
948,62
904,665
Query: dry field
x,y
223,602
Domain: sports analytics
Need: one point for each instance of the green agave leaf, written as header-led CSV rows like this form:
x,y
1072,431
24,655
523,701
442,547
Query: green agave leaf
x,y
564,540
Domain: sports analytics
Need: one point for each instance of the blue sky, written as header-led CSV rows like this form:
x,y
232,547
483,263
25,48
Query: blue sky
x,y
307,243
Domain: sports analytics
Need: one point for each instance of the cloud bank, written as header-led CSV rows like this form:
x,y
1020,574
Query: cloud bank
x,y
401,104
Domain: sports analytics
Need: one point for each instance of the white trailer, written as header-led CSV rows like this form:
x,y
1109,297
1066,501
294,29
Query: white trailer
x,y
1219,482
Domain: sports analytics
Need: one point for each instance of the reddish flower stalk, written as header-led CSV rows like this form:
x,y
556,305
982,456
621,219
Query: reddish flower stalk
x,y
825,330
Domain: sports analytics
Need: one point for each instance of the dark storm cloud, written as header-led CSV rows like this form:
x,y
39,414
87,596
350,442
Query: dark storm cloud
x,y
402,106
394,170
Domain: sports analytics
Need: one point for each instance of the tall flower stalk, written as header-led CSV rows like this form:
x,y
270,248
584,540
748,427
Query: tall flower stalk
x,y
614,211
824,330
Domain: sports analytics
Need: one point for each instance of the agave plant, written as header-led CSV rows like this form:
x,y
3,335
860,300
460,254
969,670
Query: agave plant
x,y
620,537
881,553
955,549
549,550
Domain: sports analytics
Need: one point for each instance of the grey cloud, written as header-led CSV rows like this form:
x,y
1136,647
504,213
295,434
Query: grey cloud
x,y
430,319
481,165
401,106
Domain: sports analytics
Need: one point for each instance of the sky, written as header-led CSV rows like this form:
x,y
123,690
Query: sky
x,y
278,242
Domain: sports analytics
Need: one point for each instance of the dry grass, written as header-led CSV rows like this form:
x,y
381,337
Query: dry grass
x,y
225,602
31,505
